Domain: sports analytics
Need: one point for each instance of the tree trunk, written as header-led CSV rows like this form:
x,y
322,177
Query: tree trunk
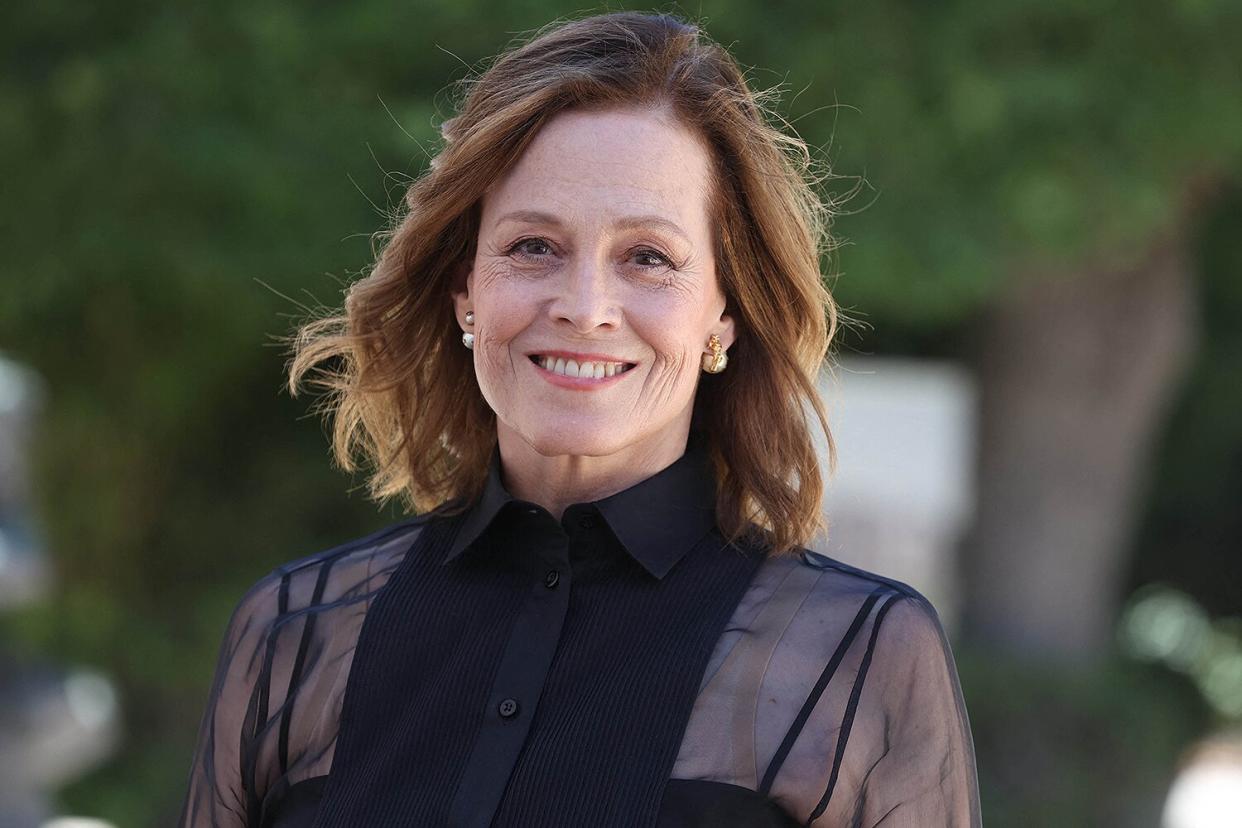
x,y
1076,372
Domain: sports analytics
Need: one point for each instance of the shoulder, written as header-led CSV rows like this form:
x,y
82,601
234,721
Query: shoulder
x,y
388,541
832,603
843,574
908,604
904,635
347,572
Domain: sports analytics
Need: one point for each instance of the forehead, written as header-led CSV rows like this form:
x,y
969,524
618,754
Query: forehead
x,y
589,164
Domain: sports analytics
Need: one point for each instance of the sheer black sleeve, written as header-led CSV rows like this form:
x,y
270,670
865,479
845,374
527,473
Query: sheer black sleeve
x,y
834,691
925,773
217,796
273,715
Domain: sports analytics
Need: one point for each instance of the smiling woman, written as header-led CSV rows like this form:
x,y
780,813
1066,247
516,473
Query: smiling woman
x,y
586,354
595,249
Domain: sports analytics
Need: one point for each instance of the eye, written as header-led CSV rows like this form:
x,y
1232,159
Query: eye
x,y
652,258
529,248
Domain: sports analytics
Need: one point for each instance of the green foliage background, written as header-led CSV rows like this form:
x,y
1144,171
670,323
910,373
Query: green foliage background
x,y
181,175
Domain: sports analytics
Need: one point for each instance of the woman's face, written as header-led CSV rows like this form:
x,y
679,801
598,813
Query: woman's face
x,y
595,252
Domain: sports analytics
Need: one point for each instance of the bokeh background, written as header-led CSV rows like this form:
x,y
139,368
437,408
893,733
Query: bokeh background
x,y
1038,199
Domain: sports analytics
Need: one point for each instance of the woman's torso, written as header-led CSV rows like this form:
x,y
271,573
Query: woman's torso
x,y
660,677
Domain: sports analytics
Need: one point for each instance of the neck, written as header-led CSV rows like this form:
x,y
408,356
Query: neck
x,y
556,481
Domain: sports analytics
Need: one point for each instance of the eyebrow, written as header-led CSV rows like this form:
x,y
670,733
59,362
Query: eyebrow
x,y
623,223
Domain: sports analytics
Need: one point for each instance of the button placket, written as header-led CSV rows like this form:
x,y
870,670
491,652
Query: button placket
x,y
521,674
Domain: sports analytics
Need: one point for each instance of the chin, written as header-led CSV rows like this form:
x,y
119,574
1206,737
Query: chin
x,y
552,439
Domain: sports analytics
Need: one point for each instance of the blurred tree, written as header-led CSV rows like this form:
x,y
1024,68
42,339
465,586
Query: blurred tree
x,y
1041,167
1190,534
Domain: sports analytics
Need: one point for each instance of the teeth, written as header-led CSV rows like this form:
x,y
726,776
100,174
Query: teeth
x,y
570,368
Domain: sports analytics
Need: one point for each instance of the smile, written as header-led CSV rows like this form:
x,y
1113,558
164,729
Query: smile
x,y
579,373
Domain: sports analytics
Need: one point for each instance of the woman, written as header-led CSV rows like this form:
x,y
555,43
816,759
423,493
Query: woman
x,y
587,353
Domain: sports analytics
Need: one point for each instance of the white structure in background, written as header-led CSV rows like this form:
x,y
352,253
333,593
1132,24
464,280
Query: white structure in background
x,y
903,493
56,723
23,571
1207,792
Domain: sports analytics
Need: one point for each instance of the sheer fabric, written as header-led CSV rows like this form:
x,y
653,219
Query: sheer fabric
x,y
830,698
832,691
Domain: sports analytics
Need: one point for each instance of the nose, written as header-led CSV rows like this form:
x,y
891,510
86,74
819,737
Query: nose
x,y
584,297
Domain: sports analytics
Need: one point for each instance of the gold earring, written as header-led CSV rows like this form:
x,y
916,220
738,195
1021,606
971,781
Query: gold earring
x,y
716,361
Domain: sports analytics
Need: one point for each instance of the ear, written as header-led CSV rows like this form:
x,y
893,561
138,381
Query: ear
x,y
460,283
724,328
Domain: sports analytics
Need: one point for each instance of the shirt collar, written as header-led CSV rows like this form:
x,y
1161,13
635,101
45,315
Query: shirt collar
x,y
657,520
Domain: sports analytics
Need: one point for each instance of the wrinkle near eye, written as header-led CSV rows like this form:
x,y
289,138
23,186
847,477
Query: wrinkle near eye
x,y
497,271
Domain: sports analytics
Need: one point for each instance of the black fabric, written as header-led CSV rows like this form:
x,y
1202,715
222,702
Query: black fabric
x,y
297,807
687,803
618,682
622,666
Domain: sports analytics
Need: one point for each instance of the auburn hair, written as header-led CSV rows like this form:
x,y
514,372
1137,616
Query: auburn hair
x,y
399,387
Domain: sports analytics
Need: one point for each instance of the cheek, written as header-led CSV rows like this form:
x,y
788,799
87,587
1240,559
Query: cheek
x,y
508,307
668,323
494,351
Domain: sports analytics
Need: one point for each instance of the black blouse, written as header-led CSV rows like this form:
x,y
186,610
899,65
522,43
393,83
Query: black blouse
x,y
622,666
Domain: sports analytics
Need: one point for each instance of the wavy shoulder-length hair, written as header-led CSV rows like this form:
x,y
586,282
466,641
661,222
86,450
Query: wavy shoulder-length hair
x,y
400,388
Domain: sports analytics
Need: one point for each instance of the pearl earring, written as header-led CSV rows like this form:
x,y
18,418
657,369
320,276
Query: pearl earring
x,y
716,361
467,338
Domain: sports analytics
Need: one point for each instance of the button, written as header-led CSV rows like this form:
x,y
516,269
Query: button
x,y
508,708
551,579
587,522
